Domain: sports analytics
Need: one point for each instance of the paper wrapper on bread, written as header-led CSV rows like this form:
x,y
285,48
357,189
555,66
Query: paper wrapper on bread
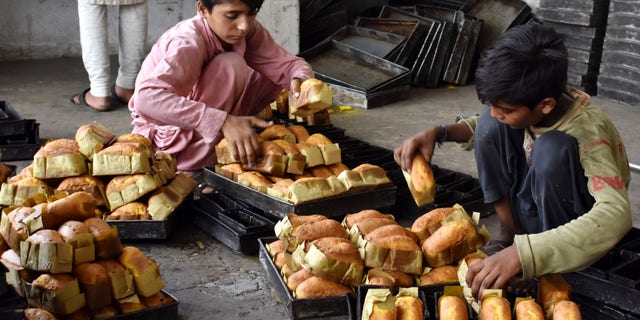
x,y
453,307
361,228
92,138
276,132
566,310
311,152
86,183
281,104
307,189
230,171
128,188
330,151
11,227
332,258
129,304
316,287
57,293
408,304
77,206
16,193
388,278
46,251
166,199
421,182
223,152
310,231
146,275
130,211
372,175
59,158
16,274
284,227
296,161
391,249
494,306
105,238
95,284
77,234
164,167
439,275
379,304
552,288
315,96
527,309
120,278
122,158
428,223
38,314
273,161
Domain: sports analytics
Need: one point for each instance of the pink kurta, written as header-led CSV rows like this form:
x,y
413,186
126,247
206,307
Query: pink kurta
x,y
188,84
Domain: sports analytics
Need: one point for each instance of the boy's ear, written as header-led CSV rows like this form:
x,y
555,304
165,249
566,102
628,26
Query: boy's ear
x,y
547,105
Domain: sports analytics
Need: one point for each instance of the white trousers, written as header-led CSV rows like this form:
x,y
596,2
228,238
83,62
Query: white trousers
x,y
94,39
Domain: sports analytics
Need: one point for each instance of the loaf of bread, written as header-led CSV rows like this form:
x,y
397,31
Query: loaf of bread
x,y
166,199
296,278
315,96
439,275
296,161
409,308
451,242
38,314
92,138
362,228
299,132
321,171
528,309
77,234
146,275
379,305
120,278
164,167
128,188
16,274
333,258
272,162
17,192
130,211
421,182
330,151
46,251
56,293
230,171
552,288
428,223
280,189
372,175
224,155
76,206
94,283
386,248
281,104
12,228
122,158
254,180
313,230
351,219
277,131
311,153
495,307
135,138
388,278
86,183
307,189
59,158
452,308
105,238
337,168
316,287
566,310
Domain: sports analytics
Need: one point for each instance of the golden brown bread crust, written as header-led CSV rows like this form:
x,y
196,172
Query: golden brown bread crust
x,y
452,308
77,206
95,284
254,179
38,314
17,231
58,147
125,149
552,288
448,236
119,183
495,307
380,313
429,222
52,282
71,229
26,172
111,265
45,236
315,96
297,220
396,242
392,230
422,184
90,273
409,308
353,218
97,226
5,171
389,278
300,133
100,130
107,242
130,211
277,131
439,275
315,287
340,249
157,300
318,229
86,183
297,277
318,139
230,171
276,246
321,171
528,310
134,259
367,226
566,310
135,138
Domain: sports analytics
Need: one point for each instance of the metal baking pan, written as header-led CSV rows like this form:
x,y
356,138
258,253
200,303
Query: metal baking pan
x,y
365,100
340,64
379,43
604,291
334,307
150,229
238,228
498,16
336,206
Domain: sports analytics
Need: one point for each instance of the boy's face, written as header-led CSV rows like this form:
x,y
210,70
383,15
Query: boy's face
x,y
230,20
517,117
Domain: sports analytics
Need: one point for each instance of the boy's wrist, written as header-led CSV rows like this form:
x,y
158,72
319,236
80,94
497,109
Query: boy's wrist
x,y
443,134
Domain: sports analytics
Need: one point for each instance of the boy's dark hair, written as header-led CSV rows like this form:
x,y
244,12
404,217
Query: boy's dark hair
x,y
525,65
254,5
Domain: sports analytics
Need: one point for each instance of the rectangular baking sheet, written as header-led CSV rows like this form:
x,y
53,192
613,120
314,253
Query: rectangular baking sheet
x,y
151,229
361,99
334,307
336,206
379,43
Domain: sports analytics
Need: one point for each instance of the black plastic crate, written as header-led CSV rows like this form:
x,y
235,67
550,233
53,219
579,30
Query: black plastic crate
x,y
20,147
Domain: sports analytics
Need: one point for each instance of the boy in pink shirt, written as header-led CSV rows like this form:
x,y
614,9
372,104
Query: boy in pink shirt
x,y
206,77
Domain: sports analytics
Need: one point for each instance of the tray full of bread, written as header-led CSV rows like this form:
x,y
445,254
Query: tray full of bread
x,y
134,188
300,173
368,266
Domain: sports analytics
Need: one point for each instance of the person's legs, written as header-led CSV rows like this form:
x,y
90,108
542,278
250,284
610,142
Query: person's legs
x,y
133,40
502,167
555,190
95,53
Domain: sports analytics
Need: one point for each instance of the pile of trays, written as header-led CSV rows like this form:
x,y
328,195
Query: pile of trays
x,y
19,137
583,25
619,76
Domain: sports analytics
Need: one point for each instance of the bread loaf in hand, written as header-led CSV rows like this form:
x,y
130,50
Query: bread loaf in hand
x,y
421,182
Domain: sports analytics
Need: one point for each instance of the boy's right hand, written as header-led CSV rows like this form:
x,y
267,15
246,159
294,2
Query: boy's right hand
x,y
243,140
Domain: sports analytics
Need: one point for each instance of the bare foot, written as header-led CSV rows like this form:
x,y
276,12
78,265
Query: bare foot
x,y
93,102
123,93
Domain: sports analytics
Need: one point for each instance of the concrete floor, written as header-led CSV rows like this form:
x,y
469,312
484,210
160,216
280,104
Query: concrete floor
x,y
210,280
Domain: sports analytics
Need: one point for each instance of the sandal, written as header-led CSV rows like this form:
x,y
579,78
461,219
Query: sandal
x,y
115,99
79,100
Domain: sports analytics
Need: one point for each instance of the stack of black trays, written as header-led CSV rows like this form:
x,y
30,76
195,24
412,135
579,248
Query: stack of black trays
x,y
19,137
583,24
620,67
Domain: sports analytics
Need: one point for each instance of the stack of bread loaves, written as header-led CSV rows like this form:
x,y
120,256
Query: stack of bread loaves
x,y
298,167
63,259
125,177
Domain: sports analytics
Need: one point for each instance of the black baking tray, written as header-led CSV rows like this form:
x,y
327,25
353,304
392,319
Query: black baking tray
x,y
334,307
336,206
238,228
604,291
150,229
379,43
12,123
23,146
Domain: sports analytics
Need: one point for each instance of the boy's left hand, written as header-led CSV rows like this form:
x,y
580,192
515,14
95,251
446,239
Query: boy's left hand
x,y
495,271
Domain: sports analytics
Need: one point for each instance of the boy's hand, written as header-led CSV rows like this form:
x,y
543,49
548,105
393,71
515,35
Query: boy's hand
x,y
495,271
243,141
423,142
